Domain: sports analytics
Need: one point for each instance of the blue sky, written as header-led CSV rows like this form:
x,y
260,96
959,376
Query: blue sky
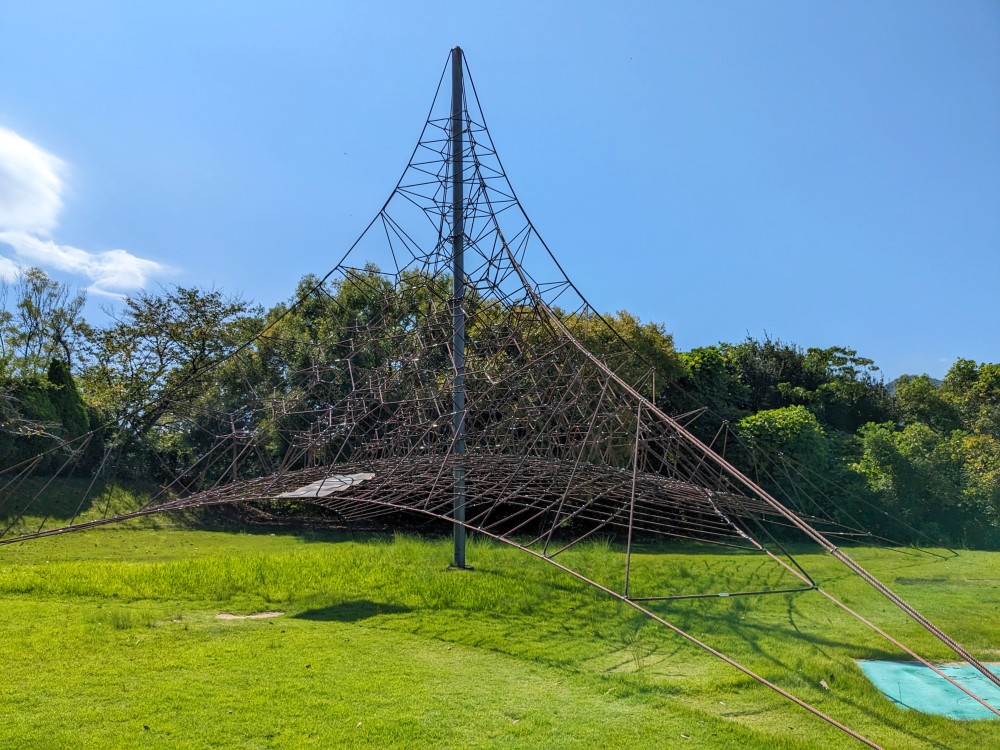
x,y
827,173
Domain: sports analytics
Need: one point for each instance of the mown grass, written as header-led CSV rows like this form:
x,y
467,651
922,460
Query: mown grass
x,y
110,639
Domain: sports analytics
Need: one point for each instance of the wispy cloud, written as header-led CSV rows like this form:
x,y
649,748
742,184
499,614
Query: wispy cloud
x,y
31,198
8,269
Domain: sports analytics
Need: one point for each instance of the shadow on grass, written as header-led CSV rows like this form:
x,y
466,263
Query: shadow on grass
x,y
63,498
761,640
351,611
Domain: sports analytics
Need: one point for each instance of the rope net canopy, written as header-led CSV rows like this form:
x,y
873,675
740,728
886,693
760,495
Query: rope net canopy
x,y
553,441
471,397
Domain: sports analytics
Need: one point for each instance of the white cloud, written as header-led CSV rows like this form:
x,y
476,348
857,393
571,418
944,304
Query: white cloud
x,y
8,269
31,185
31,190
109,271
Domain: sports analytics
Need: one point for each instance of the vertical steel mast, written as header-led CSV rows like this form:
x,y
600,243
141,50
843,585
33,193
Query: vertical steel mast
x,y
458,301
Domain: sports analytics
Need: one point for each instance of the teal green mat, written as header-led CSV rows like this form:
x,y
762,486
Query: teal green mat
x,y
912,685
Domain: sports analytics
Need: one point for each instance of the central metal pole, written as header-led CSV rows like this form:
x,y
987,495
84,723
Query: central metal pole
x,y
458,302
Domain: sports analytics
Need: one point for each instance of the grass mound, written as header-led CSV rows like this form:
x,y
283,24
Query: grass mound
x,y
51,502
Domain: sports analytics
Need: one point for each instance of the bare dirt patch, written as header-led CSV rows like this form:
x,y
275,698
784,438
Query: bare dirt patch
x,y
256,616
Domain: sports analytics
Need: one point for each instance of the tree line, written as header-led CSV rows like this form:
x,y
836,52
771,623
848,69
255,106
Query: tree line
x,y
915,460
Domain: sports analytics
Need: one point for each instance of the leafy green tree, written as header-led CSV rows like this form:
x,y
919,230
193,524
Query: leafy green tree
x,y
791,431
66,400
41,412
773,440
946,484
6,345
849,394
711,381
45,417
981,483
710,385
771,370
837,385
314,351
30,425
157,356
630,347
919,399
43,321
974,390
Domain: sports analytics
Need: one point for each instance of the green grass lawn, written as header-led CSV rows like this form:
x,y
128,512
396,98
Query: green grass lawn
x,y
110,639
